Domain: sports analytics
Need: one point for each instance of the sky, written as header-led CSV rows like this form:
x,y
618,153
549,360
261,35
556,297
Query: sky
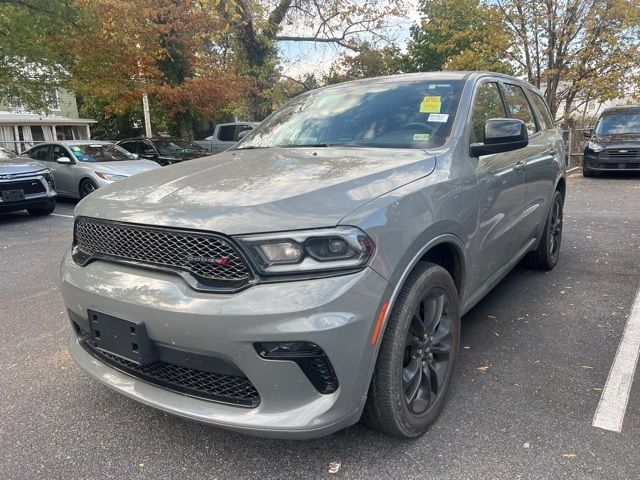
x,y
300,58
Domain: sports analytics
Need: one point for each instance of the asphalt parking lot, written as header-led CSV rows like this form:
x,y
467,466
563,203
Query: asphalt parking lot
x,y
537,352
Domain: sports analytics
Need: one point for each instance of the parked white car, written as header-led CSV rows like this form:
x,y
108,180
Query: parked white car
x,y
80,167
226,135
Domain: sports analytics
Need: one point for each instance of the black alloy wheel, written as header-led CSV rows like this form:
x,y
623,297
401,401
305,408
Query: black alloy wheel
x,y
427,351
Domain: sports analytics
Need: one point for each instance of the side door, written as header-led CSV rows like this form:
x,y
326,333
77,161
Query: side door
x,y
544,169
65,175
502,190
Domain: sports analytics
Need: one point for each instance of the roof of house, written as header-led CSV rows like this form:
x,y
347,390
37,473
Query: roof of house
x,y
35,119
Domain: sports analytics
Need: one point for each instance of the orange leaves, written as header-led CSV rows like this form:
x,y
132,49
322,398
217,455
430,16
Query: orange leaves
x,y
166,48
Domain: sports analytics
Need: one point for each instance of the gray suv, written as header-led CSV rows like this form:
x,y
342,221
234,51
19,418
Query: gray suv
x,y
315,274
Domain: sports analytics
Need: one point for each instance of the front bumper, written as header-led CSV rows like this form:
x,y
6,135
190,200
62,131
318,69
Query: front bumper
x,y
44,199
338,314
601,163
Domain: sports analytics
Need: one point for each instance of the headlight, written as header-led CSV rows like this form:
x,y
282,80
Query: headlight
x,y
49,179
309,251
596,147
112,177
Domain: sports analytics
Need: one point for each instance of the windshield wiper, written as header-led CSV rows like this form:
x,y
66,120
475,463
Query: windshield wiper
x,y
299,145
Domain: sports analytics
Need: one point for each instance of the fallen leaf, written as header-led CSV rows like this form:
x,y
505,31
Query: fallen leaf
x,y
586,366
334,467
526,445
492,316
569,455
483,368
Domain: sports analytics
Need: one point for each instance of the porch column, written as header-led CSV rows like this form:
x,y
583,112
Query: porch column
x,y
88,132
16,137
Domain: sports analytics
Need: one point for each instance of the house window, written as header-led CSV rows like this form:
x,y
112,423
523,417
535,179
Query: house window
x,y
66,132
53,100
37,133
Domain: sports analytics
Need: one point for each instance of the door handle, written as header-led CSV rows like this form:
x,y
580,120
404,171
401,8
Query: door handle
x,y
519,166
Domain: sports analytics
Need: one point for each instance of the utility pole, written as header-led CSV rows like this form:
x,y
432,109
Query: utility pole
x,y
147,117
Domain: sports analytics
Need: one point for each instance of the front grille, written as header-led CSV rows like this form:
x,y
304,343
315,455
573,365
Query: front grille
x,y
30,187
620,154
615,166
230,389
208,258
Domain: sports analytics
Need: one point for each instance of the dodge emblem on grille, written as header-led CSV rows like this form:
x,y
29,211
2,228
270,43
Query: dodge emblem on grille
x,y
213,260
6,177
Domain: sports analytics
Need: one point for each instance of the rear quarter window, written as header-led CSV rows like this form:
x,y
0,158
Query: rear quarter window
x,y
541,108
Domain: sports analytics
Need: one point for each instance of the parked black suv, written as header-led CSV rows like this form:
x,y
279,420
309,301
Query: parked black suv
x,y
614,143
163,150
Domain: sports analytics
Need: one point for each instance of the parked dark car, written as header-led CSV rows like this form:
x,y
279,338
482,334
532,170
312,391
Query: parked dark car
x,y
614,143
164,150
25,185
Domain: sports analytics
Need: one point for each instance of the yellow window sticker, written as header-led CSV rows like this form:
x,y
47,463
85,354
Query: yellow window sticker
x,y
420,137
430,104
75,149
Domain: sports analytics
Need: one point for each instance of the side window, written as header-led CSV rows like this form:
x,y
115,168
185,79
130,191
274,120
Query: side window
x,y
488,104
227,133
519,107
146,148
543,111
241,128
40,153
129,147
59,151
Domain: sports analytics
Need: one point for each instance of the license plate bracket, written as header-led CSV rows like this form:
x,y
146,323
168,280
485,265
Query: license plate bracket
x,y
12,195
124,338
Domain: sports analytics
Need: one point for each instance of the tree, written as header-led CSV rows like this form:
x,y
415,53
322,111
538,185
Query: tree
x,y
166,48
459,35
30,65
368,62
256,27
575,49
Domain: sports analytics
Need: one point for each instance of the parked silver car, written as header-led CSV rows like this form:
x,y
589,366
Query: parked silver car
x,y
80,167
316,273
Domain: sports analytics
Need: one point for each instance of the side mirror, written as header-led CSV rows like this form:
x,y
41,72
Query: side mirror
x,y
243,134
588,132
64,160
501,135
135,155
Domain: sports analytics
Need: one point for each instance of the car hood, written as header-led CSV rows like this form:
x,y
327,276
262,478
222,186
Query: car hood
x,y
15,166
125,167
260,190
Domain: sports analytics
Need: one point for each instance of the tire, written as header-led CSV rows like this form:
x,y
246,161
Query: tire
x,y
86,187
545,257
41,211
389,408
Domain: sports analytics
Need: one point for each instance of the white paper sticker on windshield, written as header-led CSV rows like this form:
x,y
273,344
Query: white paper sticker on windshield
x,y
439,117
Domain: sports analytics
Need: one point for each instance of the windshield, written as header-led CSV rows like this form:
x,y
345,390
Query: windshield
x,y
4,153
619,124
173,146
407,114
100,152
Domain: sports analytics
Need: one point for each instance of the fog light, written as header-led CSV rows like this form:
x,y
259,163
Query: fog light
x,y
311,359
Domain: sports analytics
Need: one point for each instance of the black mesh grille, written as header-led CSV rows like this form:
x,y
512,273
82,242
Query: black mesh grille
x,y
29,186
208,385
210,258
